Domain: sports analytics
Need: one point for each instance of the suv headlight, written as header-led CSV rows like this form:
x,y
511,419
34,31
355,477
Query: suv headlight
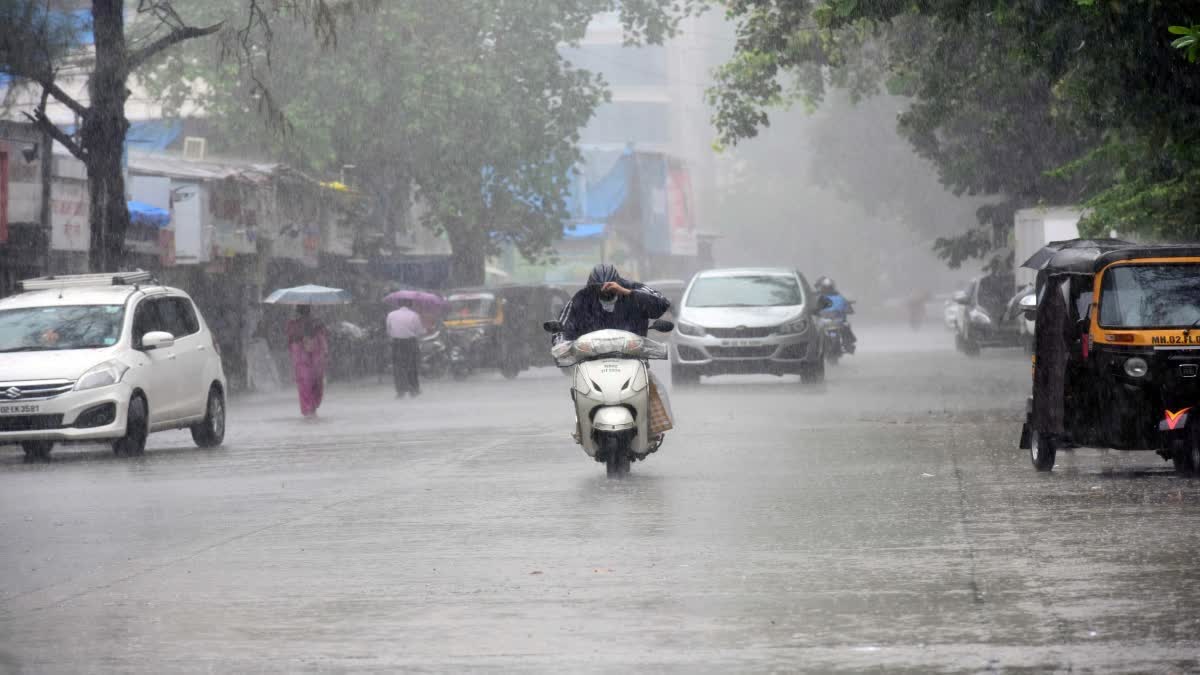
x,y
690,329
103,375
794,326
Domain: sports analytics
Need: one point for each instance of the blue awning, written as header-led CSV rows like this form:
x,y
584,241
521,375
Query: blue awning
x,y
145,215
584,231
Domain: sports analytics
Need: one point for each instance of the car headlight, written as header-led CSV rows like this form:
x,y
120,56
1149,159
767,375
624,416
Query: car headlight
x,y
103,375
690,329
1136,366
794,326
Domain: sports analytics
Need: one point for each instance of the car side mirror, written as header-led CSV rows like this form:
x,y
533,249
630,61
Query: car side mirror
x,y
662,325
1028,306
552,327
157,339
961,298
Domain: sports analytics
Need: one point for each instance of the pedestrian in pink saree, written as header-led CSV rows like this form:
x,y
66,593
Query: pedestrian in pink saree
x,y
309,348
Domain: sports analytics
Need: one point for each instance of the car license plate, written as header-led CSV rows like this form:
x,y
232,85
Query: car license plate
x,y
739,343
19,409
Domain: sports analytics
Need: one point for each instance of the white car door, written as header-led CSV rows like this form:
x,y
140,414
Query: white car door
x,y
156,370
192,351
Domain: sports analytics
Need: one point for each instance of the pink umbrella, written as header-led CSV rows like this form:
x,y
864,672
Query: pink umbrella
x,y
422,301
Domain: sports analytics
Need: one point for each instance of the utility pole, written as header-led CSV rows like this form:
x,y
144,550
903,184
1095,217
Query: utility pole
x,y
47,214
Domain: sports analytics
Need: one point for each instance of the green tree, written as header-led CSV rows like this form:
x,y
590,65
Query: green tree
x,y
1035,101
38,43
466,105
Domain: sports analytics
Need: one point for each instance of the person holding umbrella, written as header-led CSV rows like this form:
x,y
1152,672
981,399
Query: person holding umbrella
x,y
308,344
308,341
405,328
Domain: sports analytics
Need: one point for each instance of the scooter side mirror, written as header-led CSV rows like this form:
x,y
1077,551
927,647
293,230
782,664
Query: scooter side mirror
x,y
662,325
552,327
824,303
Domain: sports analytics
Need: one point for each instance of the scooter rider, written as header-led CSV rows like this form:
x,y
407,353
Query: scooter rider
x,y
609,301
839,307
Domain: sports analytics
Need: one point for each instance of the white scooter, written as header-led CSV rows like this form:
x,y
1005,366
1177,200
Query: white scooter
x,y
611,389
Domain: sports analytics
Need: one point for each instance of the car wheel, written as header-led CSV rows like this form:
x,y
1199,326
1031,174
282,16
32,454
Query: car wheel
x,y
211,432
37,451
1042,451
137,427
682,375
812,373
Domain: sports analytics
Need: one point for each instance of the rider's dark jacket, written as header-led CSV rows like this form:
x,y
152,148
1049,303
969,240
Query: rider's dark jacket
x,y
632,313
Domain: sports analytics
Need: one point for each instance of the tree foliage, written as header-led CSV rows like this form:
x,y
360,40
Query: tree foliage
x,y
467,102
1033,101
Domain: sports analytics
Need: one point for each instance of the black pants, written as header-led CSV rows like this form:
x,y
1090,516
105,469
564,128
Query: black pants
x,y
406,366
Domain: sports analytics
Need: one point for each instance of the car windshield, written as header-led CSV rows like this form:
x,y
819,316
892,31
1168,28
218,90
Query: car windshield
x,y
36,329
1150,296
764,290
471,306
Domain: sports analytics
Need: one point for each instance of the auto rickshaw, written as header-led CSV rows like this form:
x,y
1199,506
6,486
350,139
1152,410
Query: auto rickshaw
x,y
500,327
1116,350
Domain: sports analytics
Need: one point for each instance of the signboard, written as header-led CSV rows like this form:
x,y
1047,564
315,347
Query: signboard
x,y
69,229
188,213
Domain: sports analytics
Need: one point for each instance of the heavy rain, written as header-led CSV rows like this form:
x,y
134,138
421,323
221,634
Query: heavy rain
x,y
599,336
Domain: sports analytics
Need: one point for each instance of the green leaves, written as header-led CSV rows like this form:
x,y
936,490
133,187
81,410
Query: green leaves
x,y
1189,40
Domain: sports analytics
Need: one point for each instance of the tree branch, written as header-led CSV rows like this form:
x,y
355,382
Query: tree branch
x,y
49,87
40,120
141,56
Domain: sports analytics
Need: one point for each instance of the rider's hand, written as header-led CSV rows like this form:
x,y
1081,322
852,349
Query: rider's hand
x,y
614,287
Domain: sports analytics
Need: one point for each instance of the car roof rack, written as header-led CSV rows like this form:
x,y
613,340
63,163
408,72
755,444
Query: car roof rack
x,y
134,278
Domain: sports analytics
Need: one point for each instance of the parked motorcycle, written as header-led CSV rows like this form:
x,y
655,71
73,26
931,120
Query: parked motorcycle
x,y
435,359
611,389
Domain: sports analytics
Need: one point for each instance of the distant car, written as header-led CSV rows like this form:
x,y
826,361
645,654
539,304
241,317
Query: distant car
x,y
988,315
759,320
104,358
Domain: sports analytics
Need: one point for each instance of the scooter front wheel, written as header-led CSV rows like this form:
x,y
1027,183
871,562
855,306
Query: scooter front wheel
x,y
616,459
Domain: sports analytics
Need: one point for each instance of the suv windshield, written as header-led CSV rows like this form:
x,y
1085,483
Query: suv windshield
x,y
36,329
1150,296
767,290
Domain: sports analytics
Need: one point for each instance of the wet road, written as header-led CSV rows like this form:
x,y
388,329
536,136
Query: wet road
x,y
886,520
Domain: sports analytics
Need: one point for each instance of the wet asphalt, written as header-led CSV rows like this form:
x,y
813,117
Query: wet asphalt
x,y
885,521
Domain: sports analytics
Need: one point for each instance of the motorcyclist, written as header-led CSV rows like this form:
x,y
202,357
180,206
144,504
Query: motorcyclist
x,y
839,308
610,301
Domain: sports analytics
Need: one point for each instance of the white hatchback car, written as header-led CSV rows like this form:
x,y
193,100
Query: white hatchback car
x,y
106,358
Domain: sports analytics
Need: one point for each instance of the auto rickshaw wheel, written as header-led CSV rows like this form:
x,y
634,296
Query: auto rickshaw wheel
x,y
1186,456
1042,451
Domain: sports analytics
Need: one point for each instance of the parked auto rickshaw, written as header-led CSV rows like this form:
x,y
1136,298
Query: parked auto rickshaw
x,y
1116,350
500,328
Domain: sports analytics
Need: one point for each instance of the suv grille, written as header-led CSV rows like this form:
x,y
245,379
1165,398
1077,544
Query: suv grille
x,y
30,422
760,332
33,391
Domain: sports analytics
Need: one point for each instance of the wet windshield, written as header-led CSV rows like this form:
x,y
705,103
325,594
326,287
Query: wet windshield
x,y
767,290
35,329
1150,296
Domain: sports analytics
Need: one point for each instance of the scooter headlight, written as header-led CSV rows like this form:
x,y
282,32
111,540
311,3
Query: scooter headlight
x,y
1136,366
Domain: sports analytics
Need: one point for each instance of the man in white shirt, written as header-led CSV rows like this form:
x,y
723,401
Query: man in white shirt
x,y
405,329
